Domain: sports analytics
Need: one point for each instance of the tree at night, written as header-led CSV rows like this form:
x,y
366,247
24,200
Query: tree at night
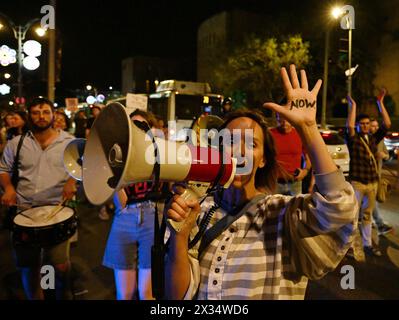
x,y
254,67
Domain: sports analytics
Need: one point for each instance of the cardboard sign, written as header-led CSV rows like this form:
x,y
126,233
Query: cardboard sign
x,y
71,104
136,101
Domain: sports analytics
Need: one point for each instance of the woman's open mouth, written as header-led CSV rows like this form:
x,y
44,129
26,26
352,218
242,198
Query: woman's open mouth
x,y
241,165
242,168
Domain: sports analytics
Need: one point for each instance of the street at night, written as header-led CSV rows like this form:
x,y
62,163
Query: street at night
x,y
373,280
206,150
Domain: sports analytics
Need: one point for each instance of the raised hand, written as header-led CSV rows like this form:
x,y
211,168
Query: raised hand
x,y
382,94
351,102
300,109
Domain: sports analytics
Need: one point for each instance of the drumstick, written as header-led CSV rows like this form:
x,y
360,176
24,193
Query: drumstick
x,y
22,206
26,216
55,211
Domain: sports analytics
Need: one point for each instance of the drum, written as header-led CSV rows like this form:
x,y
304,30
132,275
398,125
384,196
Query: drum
x,y
32,226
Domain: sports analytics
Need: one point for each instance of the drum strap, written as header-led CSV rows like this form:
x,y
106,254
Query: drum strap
x,y
15,172
12,211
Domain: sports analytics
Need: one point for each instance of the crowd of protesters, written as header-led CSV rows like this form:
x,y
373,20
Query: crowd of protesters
x,y
305,235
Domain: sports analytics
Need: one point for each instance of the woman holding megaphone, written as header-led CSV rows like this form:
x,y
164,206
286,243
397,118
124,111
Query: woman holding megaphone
x,y
260,245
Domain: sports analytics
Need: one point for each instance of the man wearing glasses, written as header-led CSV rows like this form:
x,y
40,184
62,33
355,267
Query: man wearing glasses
x,y
363,168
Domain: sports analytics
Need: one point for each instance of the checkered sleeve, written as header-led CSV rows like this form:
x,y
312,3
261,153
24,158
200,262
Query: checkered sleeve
x,y
320,226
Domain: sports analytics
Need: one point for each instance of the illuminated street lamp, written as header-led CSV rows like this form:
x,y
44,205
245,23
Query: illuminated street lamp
x,y
349,25
40,32
336,13
19,34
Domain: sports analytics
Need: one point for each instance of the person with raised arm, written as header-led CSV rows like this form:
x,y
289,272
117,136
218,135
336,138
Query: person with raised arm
x,y
363,165
260,245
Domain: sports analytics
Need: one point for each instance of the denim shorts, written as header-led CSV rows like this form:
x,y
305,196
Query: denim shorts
x,y
131,238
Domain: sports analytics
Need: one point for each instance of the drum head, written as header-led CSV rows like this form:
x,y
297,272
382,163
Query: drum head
x,y
37,216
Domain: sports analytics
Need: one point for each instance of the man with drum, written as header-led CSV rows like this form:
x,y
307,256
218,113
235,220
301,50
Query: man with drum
x,y
42,184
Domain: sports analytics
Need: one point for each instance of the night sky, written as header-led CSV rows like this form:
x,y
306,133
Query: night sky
x,y
96,35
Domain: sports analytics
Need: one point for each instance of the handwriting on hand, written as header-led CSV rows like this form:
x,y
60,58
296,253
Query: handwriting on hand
x,y
302,103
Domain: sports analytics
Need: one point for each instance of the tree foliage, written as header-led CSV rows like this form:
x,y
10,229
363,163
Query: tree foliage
x,y
254,67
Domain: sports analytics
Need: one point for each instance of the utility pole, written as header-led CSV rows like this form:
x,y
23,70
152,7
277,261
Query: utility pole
x,y
350,61
51,60
325,79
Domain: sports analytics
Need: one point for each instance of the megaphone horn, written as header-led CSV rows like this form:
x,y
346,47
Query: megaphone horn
x,y
119,153
73,158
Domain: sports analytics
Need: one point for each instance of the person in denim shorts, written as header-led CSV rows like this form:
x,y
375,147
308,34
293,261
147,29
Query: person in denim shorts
x,y
128,249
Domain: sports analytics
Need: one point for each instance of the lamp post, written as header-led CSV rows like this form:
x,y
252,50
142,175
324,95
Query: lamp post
x,y
325,80
349,24
350,60
51,60
19,34
348,13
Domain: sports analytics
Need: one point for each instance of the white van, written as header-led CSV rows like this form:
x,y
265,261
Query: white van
x,y
183,102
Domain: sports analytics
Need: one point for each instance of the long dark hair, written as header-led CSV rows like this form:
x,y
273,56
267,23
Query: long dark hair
x,y
266,177
14,131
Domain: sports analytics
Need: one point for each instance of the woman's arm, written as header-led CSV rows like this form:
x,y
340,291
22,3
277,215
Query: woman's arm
x,y
321,225
177,269
120,199
300,111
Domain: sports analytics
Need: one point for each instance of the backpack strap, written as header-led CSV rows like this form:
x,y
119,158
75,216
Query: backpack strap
x,y
370,153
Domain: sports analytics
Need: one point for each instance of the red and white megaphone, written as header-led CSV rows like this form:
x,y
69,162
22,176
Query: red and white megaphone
x,y
118,153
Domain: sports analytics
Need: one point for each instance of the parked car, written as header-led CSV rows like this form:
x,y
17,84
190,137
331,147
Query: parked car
x,y
337,148
391,141
332,127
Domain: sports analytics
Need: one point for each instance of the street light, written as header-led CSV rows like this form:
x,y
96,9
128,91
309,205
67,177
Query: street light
x,y
40,32
336,13
348,13
19,34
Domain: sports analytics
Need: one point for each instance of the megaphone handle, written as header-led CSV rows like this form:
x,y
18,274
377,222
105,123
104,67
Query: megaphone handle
x,y
188,194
